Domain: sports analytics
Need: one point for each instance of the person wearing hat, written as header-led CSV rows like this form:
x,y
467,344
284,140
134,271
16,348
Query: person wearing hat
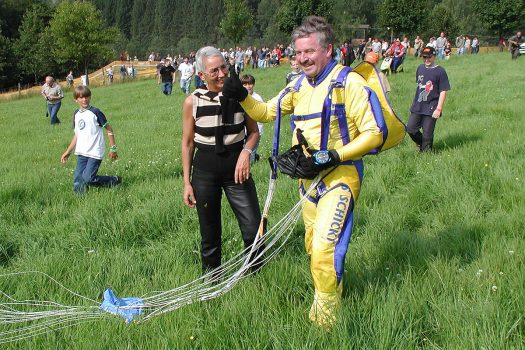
x,y
431,91
373,58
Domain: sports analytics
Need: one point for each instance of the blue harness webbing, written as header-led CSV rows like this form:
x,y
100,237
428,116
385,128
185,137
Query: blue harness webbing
x,y
329,109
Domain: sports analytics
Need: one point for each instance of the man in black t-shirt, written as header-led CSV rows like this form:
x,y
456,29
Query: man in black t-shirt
x,y
431,92
166,75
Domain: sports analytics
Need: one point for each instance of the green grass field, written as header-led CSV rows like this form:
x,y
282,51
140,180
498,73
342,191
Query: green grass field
x,y
436,260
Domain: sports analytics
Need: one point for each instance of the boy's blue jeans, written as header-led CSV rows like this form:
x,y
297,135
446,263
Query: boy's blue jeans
x,y
86,175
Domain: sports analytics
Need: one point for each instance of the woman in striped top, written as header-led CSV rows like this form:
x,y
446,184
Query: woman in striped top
x,y
217,140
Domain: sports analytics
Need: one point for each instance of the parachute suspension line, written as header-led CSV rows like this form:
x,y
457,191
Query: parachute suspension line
x,y
22,319
220,281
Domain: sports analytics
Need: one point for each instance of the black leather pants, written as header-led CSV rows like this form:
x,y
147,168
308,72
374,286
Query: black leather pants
x,y
207,188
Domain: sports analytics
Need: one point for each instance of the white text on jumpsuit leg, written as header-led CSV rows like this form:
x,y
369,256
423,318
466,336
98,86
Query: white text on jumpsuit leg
x,y
338,219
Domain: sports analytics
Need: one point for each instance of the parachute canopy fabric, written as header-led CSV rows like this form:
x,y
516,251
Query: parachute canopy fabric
x,y
114,305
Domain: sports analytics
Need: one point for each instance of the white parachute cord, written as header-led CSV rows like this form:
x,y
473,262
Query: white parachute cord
x,y
47,327
212,287
53,316
52,279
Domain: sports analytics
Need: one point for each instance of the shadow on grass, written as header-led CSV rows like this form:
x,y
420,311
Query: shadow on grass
x,y
8,252
454,141
405,250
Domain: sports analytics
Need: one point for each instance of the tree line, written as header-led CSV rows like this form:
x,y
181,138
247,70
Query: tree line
x,y
38,37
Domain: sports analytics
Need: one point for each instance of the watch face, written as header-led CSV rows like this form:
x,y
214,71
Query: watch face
x,y
322,157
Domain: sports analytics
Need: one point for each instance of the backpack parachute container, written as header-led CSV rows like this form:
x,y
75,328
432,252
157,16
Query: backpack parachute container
x,y
393,129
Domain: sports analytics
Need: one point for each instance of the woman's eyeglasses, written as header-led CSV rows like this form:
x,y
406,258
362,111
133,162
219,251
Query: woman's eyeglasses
x,y
215,71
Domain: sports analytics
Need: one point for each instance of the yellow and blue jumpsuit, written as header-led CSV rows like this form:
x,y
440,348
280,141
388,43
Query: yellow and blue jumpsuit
x,y
328,213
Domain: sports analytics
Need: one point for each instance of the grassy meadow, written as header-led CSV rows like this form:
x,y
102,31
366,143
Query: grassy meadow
x,y
436,259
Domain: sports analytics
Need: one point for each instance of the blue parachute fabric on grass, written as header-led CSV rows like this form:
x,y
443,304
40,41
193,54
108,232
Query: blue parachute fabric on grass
x,y
113,305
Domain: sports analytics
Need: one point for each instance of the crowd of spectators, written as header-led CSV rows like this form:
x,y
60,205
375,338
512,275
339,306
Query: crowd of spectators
x,y
393,54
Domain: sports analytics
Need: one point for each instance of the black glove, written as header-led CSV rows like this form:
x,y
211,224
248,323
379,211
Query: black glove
x,y
296,164
233,87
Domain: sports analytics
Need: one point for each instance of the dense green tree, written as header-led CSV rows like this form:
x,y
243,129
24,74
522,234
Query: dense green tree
x,y
34,56
142,15
292,12
206,26
237,20
348,14
11,14
183,24
268,25
80,35
441,20
108,9
404,17
465,17
6,64
123,16
161,37
500,16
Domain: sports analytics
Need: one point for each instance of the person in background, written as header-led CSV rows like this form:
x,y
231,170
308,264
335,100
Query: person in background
x,y
460,44
199,83
501,43
88,143
376,46
514,43
69,79
53,94
167,73
448,51
373,58
418,46
432,86
123,72
239,60
384,48
131,72
248,81
296,70
467,45
110,74
441,42
186,72
398,54
158,67
474,46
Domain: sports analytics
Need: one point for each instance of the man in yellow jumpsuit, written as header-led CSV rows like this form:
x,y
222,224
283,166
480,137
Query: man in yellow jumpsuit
x,y
336,147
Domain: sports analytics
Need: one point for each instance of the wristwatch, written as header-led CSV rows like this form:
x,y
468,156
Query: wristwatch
x,y
321,157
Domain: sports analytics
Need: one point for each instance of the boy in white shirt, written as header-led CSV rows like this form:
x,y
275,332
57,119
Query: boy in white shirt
x,y
88,143
248,81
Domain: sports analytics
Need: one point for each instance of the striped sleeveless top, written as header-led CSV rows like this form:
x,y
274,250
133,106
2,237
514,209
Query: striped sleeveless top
x,y
219,122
